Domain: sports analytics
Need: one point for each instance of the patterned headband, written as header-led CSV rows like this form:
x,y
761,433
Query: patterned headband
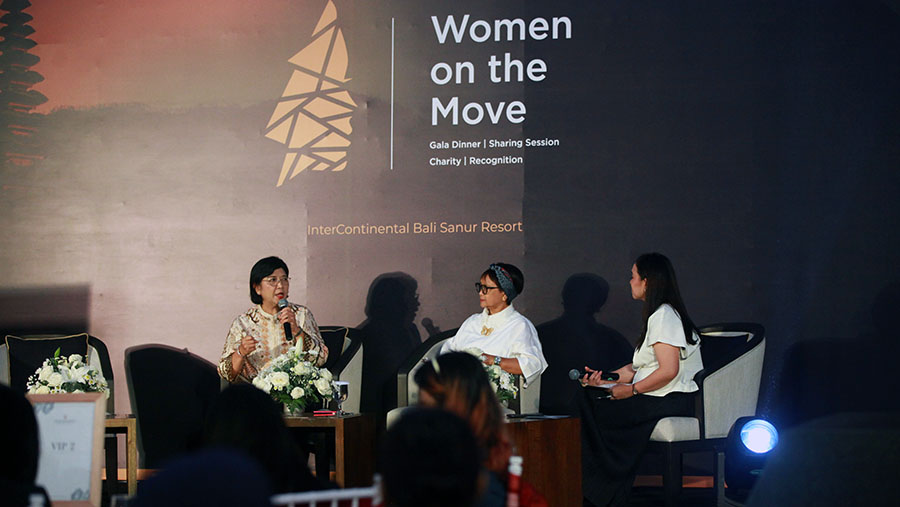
x,y
505,281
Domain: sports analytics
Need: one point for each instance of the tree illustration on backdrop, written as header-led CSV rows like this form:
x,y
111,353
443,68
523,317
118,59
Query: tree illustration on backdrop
x,y
18,123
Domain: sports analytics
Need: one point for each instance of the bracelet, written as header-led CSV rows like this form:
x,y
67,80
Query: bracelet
x,y
238,352
634,391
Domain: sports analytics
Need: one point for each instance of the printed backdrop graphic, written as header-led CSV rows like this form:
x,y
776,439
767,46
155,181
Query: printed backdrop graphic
x,y
168,146
313,115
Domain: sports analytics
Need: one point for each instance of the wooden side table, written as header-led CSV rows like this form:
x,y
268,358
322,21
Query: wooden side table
x,y
126,424
551,453
354,445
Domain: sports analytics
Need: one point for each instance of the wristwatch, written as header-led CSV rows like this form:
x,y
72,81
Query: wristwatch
x,y
634,390
497,360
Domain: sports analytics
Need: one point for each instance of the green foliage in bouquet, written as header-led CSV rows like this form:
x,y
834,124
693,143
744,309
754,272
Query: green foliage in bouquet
x,y
61,374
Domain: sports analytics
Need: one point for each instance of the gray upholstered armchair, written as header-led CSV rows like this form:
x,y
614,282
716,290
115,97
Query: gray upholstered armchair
x,y
348,364
729,388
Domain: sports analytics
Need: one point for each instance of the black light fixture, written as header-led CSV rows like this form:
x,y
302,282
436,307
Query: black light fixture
x,y
749,443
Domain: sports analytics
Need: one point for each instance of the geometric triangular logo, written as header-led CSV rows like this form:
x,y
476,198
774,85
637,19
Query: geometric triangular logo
x,y
312,117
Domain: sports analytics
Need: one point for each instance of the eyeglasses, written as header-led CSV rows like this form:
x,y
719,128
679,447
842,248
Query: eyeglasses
x,y
274,280
483,289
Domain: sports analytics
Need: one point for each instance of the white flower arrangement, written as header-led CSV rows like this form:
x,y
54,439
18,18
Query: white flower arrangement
x,y
502,381
293,380
61,374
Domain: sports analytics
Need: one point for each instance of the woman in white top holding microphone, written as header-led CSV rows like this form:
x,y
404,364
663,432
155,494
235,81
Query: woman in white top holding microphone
x,y
617,421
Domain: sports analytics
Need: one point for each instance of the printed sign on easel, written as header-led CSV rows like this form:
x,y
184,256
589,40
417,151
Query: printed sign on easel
x,y
71,434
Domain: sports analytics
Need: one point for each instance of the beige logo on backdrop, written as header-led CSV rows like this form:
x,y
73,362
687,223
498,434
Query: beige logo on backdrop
x,y
312,117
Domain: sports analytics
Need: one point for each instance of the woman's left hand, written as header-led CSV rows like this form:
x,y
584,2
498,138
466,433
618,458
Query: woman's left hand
x,y
286,315
621,391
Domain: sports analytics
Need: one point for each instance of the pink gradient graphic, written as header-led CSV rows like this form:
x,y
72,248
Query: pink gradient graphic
x,y
165,53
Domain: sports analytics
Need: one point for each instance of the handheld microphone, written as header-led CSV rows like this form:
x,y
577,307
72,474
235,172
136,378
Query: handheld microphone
x,y
288,335
575,374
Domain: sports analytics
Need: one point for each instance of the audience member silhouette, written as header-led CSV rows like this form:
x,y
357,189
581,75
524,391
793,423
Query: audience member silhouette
x,y
245,418
430,458
208,477
389,335
21,449
457,382
575,339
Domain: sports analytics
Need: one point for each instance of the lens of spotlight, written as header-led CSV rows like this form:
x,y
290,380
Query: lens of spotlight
x,y
759,436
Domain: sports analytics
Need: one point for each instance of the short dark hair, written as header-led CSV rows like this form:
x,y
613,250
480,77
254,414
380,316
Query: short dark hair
x,y
515,274
262,269
430,458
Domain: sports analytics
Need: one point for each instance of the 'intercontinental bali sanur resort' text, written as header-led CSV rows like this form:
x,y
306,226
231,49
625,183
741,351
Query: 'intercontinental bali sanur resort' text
x,y
433,227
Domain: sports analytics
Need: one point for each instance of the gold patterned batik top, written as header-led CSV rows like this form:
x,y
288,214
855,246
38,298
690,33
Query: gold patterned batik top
x,y
269,334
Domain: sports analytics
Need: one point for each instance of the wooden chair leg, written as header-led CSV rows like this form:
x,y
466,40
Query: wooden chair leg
x,y
671,475
719,477
111,449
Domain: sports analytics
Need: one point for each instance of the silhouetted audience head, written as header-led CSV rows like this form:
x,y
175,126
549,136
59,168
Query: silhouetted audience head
x,y
457,382
209,477
21,448
430,458
245,418
584,293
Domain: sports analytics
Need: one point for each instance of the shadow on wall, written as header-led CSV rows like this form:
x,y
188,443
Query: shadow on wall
x,y
389,335
45,310
575,340
825,376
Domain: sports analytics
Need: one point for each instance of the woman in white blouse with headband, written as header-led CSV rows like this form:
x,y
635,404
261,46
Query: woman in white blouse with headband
x,y
503,335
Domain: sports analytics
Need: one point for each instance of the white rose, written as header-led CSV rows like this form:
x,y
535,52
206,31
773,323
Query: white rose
x,y
75,358
262,383
45,372
496,370
323,386
42,390
326,374
297,393
55,379
280,380
299,368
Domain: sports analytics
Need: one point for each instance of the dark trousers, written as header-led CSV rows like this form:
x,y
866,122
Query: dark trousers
x,y
614,436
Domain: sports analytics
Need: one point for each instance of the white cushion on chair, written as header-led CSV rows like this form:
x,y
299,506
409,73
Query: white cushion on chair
x,y
676,429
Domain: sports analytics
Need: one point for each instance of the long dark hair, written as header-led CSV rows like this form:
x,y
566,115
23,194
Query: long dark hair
x,y
462,387
662,288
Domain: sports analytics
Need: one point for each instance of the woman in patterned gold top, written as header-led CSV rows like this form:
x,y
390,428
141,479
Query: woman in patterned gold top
x,y
257,336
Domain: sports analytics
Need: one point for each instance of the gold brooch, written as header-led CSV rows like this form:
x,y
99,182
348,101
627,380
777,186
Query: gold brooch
x,y
486,331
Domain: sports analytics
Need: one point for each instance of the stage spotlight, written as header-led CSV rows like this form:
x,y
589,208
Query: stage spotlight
x,y
749,443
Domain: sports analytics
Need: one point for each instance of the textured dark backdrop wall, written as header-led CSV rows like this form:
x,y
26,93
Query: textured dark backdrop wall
x,y
752,142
